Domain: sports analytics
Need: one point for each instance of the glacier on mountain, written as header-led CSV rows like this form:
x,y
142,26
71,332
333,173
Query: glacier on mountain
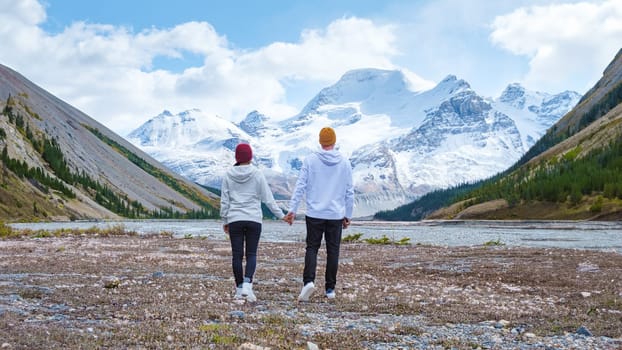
x,y
402,143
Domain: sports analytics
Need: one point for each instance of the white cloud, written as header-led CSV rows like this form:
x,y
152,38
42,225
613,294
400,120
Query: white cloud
x,y
562,41
112,73
108,71
25,11
327,53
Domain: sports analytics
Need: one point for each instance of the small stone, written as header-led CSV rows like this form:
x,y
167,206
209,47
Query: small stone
x,y
586,294
497,339
237,313
518,330
502,324
112,283
157,274
6,345
587,267
584,331
169,338
250,346
312,346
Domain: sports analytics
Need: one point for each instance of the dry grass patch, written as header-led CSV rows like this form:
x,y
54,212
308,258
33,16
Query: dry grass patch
x,y
177,293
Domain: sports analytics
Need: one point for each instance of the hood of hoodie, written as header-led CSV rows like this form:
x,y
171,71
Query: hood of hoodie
x,y
331,157
241,173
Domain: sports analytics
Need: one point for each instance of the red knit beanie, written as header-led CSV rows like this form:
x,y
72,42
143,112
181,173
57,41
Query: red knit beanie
x,y
243,153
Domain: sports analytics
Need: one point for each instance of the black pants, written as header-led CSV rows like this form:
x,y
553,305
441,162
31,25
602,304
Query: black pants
x,y
331,230
241,232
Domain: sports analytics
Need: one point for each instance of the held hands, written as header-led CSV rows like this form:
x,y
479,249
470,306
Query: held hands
x,y
346,222
225,228
289,218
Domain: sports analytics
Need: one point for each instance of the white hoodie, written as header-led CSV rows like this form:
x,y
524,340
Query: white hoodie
x,y
243,189
326,179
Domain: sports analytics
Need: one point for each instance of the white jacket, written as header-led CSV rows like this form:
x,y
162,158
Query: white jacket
x,y
243,190
326,180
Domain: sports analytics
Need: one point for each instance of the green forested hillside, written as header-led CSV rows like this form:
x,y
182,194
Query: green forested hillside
x,y
425,205
57,177
592,183
208,206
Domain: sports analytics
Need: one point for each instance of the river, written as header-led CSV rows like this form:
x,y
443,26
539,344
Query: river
x,y
597,235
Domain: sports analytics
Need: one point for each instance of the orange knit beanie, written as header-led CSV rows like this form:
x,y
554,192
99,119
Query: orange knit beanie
x,y
327,136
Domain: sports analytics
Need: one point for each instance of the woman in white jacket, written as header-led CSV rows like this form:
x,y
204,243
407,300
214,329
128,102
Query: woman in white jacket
x,y
243,190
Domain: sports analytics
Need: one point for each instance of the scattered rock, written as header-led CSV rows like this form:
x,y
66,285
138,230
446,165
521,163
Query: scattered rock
x,y
112,283
587,267
502,324
250,346
584,331
237,314
378,308
312,346
518,330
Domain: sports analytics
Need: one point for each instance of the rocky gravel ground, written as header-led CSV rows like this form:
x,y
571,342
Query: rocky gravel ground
x,y
159,292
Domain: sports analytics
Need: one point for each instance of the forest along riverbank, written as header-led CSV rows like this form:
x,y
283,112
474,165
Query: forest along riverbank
x,y
166,292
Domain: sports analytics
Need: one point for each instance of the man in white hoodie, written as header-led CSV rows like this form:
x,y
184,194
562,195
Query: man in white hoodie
x,y
243,190
326,179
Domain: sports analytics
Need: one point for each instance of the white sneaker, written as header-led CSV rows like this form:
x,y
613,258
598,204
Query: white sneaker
x,y
330,294
306,292
238,293
247,292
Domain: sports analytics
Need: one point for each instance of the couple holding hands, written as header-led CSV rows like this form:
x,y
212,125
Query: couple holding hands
x,y
326,180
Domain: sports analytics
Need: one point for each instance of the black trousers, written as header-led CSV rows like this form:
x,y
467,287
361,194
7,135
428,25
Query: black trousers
x,y
241,232
331,231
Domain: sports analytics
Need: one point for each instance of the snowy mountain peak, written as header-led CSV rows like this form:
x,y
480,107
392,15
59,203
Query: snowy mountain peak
x,y
532,111
513,94
184,129
358,86
368,80
450,79
451,85
165,113
254,123
401,143
189,115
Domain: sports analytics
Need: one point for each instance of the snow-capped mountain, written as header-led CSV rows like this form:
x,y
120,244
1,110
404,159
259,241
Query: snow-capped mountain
x,y
189,128
402,143
534,112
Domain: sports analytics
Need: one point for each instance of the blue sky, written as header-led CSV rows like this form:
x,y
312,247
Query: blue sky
x,y
249,24
123,62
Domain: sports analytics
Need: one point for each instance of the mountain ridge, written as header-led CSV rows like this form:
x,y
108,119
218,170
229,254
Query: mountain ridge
x,y
573,172
100,167
376,117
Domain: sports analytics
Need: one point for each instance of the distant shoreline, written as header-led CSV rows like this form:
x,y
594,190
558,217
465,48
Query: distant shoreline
x,y
601,236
